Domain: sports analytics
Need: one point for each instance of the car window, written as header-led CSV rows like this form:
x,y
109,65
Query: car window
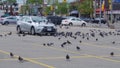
x,y
37,19
23,19
27,19
73,19
11,18
78,19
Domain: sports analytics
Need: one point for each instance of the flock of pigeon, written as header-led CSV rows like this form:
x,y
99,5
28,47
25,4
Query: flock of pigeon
x,y
92,33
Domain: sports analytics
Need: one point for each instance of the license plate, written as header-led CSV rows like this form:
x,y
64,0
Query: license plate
x,y
49,29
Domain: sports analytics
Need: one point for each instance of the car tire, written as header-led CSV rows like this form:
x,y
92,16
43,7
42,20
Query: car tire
x,y
6,22
70,24
32,31
83,25
19,30
2,23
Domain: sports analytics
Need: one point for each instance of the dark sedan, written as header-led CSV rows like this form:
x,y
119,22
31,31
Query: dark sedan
x,y
55,19
97,20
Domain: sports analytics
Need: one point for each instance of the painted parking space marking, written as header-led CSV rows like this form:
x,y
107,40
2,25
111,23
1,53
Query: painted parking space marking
x,y
103,46
30,60
64,50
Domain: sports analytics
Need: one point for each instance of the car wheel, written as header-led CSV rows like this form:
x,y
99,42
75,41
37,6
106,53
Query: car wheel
x,y
2,23
19,29
32,31
6,22
70,24
83,25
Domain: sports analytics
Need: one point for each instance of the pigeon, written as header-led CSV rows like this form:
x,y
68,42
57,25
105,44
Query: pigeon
x,y
87,38
113,42
83,37
48,44
51,44
93,34
44,44
1,35
11,54
20,59
101,34
62,45
24,34
67,57
112,53
80,41
69,42
59,38
77,47
96,39
10,33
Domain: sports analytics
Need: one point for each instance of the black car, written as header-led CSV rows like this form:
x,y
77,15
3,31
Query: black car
x,y
55,19
97,20
86,19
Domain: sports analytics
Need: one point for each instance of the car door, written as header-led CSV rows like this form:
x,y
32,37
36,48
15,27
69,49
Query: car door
x,y
74,21
78,21
14,20
28,24
22,23
11,20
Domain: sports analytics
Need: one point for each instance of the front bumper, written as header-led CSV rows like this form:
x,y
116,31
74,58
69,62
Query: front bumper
x,y
46,30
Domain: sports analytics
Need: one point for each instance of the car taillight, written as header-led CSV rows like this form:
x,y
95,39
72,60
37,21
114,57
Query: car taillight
x,y
1,18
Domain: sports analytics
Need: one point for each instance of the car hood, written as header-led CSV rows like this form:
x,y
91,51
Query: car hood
x,y
47,24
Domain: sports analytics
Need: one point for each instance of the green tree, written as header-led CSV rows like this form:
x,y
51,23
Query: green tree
x,y
34,1
62,8
59,8
47,10
85,7
11,1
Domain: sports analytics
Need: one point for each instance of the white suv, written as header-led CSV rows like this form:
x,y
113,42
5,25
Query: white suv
x,y
35,25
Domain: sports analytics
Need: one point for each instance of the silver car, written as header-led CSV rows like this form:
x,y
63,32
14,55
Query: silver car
x,y
35,25
8,20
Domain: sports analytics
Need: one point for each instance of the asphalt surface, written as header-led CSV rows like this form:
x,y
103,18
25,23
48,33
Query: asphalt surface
x,y
92,53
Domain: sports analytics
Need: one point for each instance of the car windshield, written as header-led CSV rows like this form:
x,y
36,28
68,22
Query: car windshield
x,y
37,19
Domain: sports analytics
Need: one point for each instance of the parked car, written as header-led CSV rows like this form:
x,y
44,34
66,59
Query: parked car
x,y
86,19
73,21
55,19
8,20
35,25
97,20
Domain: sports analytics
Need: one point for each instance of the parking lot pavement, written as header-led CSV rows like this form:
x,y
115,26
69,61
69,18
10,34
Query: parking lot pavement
x,y
93,53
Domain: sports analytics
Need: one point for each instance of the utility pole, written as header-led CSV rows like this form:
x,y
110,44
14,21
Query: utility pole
x,y
100,12
111,11
94,4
